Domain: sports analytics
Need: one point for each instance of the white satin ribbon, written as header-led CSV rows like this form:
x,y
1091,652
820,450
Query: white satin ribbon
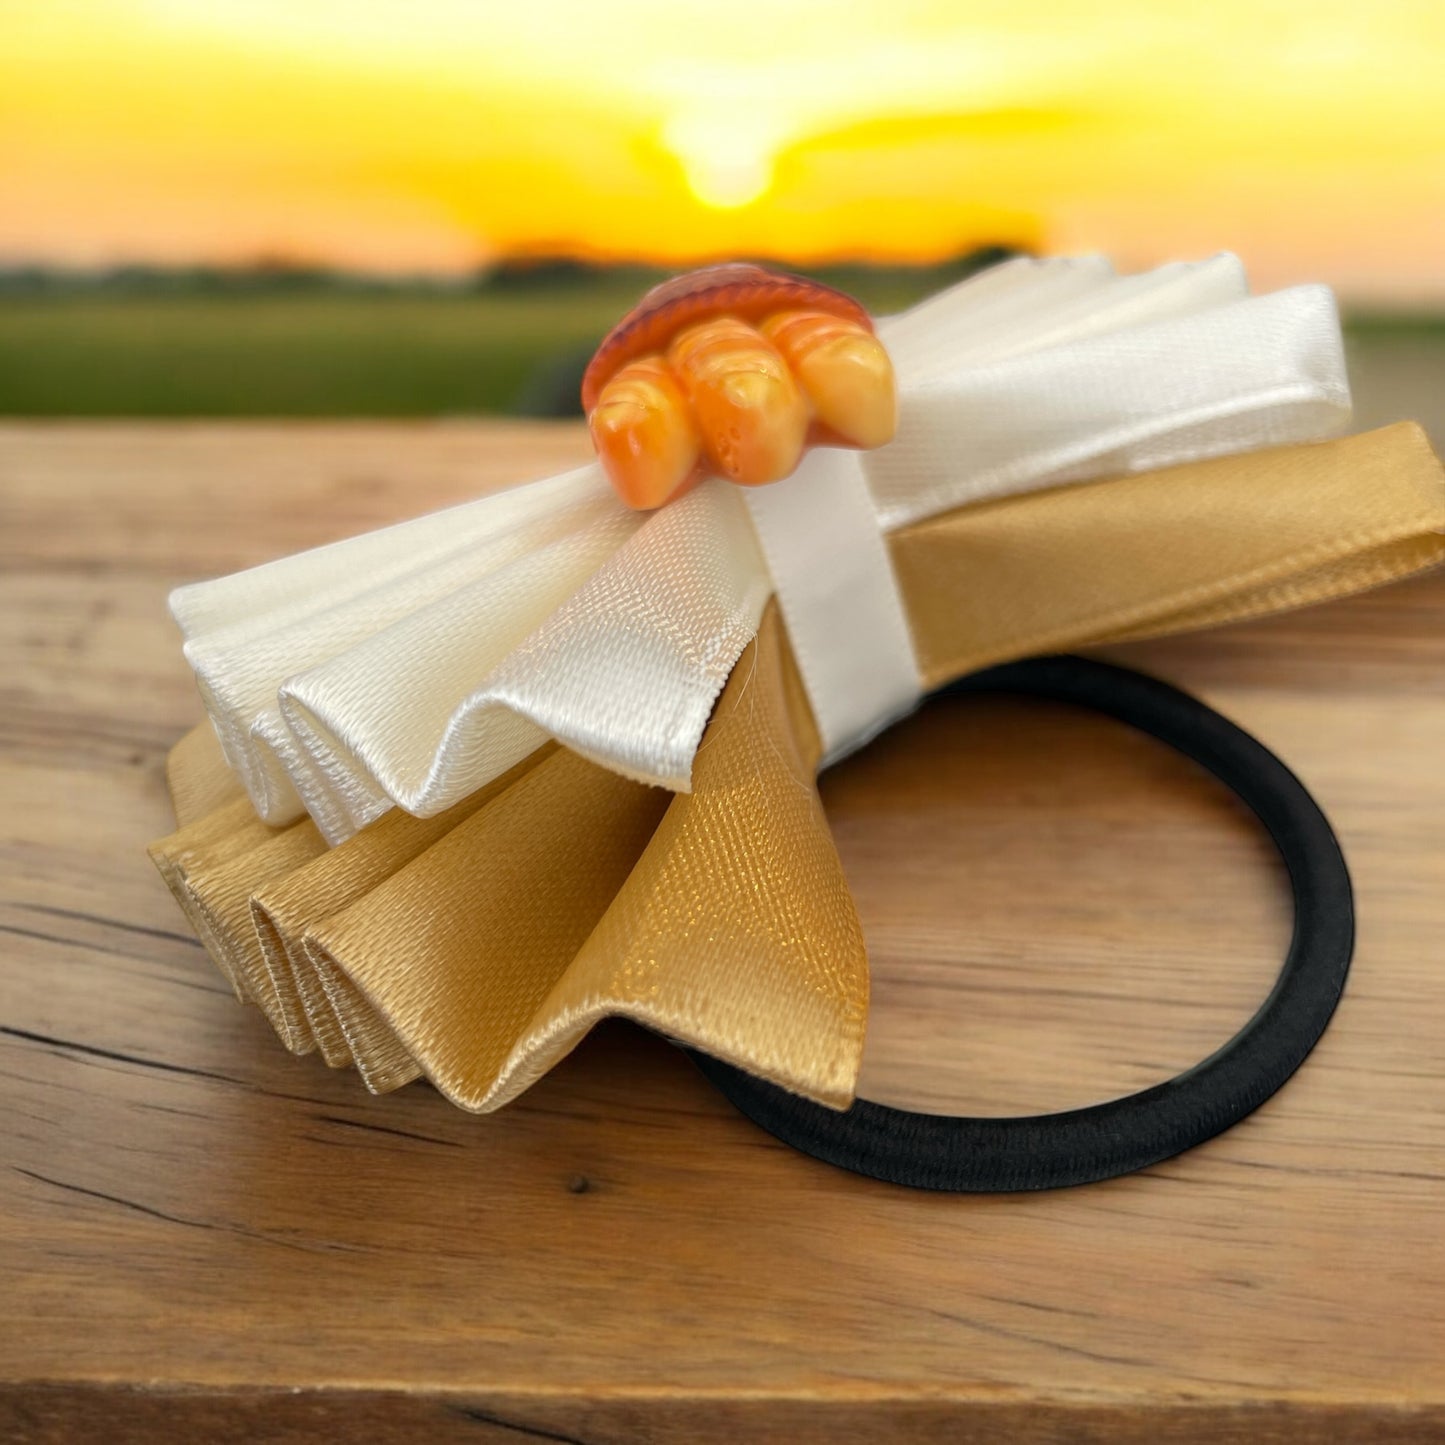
x,y
409,666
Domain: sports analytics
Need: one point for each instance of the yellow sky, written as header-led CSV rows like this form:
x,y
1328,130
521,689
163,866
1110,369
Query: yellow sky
x,y
434,134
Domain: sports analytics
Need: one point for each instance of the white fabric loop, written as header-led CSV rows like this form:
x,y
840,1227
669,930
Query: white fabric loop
x,y
408,667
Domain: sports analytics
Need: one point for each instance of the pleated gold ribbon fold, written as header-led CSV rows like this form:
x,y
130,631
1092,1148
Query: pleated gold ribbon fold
x,y
477,947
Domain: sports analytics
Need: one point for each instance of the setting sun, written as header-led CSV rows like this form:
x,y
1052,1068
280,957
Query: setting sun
x,y
439,135
727,165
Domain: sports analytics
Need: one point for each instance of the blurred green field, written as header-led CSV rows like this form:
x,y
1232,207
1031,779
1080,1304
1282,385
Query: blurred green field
x,y
318,355
414,354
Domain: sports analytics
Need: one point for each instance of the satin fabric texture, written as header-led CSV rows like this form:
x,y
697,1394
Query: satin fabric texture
x,y
412,666
477,946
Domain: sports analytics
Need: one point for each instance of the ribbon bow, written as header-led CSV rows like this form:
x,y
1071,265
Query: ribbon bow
x,y
488,776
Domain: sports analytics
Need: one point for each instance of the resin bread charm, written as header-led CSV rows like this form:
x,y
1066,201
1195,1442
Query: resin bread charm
x,y
734,370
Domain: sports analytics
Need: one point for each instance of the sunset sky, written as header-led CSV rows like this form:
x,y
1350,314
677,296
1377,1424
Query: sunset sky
x,y
435,135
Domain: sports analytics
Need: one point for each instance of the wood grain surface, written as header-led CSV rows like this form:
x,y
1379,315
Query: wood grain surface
x,y
202,1237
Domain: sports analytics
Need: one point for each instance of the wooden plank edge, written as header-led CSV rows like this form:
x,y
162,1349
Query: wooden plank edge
x,y
46,1414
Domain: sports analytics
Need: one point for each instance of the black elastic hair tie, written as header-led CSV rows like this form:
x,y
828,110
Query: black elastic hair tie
x,y
1102,1141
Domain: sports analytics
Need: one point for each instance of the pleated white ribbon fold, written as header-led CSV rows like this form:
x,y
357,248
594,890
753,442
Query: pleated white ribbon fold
x,y
408,667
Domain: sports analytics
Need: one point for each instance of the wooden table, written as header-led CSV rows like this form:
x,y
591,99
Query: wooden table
x,y
204,1238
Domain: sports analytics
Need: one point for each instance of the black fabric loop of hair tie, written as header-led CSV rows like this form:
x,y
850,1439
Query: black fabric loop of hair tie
x,y
1102,1141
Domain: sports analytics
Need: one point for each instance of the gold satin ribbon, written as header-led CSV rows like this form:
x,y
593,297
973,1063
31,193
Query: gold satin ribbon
x,y
479,946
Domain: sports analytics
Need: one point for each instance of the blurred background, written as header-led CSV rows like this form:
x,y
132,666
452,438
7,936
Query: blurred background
x,y
435,207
